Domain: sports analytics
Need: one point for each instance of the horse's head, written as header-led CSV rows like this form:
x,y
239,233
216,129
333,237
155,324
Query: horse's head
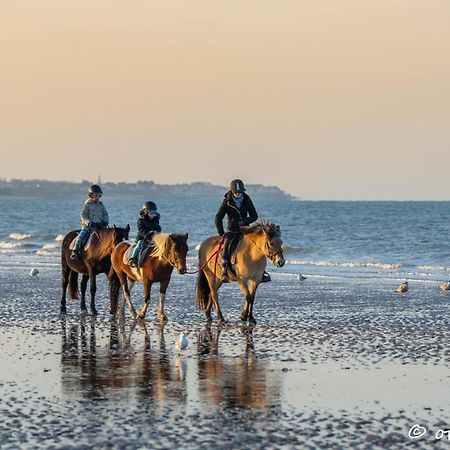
x,y
176,251
121,234
269,241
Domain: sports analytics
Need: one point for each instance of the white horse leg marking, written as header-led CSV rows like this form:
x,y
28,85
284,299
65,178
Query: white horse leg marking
x,y
162,299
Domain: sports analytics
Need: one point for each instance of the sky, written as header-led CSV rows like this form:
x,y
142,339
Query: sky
x,y
326,99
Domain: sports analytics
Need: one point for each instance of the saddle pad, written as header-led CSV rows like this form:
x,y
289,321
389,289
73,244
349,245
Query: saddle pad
x,y
86,245
128,253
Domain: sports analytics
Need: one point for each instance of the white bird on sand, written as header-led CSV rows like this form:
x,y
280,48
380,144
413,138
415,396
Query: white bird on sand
x,y
182,342
301,277
402,288
34,272
445,286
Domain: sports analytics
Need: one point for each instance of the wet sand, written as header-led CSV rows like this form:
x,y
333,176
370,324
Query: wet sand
x,y
332,363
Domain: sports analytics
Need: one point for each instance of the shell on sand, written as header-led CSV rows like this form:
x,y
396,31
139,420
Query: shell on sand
x,y
445,286
34,272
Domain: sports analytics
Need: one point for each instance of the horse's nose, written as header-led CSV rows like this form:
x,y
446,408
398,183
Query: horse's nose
x,y
281,262
182,271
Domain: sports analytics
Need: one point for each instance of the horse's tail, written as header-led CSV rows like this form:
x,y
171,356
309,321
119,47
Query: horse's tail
x,y
73,285
114,291
203,291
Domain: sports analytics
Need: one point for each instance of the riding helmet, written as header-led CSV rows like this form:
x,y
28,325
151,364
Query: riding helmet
x,y
95,189
237,186
150,207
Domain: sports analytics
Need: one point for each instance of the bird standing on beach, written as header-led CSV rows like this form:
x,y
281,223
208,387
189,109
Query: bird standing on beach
x,y
301,277
445,286
402,288
182,342
34,272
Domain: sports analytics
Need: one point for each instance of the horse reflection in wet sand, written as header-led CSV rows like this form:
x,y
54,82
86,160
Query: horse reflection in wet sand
x,y
169,251
93,370
260,241
231,382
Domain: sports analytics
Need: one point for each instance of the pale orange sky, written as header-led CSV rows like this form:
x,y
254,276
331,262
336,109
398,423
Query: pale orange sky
x,y
345,99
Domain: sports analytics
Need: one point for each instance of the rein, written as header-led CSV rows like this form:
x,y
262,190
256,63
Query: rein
x,y
219,247
270,255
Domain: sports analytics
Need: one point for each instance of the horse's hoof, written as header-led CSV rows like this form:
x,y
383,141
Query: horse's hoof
x,y
63,311
94,312
243,317
251,321
83,312
163,319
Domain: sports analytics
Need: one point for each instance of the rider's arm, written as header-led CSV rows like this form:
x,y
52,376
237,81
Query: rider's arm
x,y
219,218
252,214
105,218
85,214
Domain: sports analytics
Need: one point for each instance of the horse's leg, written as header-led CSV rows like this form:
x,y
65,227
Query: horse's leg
x,y
83,288
93,286
245,310
214,298
147,291
126,295
252,288
162,297
65,282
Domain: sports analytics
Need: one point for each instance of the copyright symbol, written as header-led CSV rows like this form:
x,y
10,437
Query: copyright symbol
x,y
416,431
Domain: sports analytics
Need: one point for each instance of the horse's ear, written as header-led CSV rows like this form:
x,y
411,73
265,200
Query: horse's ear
x,y
185,236
114,226
172,237
127,227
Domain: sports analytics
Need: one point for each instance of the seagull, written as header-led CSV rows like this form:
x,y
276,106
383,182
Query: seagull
x,y
445,286
181,342
34,272
301,277
402,288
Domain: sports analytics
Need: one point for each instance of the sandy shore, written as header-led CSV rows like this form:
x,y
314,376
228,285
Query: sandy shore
x,y
332,363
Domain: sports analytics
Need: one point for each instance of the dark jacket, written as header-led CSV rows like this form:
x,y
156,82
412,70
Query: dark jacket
x,y
236,217
145,224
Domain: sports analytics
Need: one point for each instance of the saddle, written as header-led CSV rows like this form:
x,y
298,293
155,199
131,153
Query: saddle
x,y
233,240
84,244
142,254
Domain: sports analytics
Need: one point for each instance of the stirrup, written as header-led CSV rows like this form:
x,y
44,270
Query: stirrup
x,y
266,278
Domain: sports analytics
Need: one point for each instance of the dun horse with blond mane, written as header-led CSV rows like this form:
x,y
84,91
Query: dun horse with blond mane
x,y
260,241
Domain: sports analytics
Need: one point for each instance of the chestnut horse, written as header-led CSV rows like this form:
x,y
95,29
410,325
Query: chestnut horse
x,y
169,251
96,259
260,241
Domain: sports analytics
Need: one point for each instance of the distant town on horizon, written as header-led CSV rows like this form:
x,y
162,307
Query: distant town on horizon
x,y
42,188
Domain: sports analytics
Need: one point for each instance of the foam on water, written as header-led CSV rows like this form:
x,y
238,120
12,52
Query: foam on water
x,y
19,236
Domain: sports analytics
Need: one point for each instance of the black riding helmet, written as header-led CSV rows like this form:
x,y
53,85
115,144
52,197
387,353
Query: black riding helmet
x,y
237,186
95,189
150,207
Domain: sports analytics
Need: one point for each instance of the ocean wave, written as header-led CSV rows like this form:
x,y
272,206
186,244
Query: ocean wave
x,y
60,237
9,245
45,252
19,236
53,245
374,265
446,268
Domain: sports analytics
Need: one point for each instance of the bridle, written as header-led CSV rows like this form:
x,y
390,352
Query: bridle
x,y
269,255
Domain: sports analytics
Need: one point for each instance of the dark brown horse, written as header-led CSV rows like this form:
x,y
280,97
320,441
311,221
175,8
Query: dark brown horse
x,y
96,259
259,242
169,251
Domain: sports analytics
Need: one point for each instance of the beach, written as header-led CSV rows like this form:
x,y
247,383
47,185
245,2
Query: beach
x,y
332,363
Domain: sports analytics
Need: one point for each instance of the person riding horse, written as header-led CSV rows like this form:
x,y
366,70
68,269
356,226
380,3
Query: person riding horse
x,y
148,221
92,214
240,211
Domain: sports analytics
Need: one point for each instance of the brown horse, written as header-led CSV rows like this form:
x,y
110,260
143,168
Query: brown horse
x,y
96,259
169,251
260,241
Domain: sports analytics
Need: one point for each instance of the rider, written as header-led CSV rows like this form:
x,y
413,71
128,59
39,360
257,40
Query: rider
x,y
148,220
92,214
239,208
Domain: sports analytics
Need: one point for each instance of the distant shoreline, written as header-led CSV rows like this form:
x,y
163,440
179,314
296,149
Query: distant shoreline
x,y
44,188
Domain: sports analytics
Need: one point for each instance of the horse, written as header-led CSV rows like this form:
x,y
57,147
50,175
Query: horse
x,y
169,252
94,260
260,241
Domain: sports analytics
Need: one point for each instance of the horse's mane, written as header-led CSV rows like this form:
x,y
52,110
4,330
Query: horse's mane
x,y
159,240
271,229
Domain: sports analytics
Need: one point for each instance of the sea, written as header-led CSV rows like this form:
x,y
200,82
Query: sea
x,y
387,240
